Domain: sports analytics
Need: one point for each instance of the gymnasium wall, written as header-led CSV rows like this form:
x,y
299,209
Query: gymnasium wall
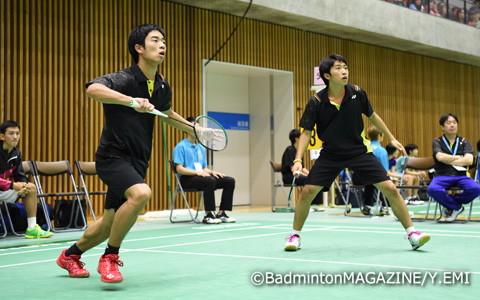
x,y
51,48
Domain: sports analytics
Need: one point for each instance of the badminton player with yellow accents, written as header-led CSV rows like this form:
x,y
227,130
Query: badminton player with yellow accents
x,y
337,111
125,147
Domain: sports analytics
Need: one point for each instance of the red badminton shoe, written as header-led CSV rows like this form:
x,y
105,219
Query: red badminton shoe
x,y
73,265
108,268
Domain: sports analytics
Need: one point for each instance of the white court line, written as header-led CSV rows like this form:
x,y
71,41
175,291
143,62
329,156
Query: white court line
x,y
392,230
307,261
129,240
155,247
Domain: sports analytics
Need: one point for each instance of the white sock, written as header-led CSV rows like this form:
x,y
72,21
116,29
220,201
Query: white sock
x,y
410,229
31,222
297,232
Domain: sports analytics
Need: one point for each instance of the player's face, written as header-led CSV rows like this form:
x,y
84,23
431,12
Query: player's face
x,y
450,126
11,137
155,47
338,73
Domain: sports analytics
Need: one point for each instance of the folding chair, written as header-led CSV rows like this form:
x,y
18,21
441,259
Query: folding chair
x,y
180,190
4,227
59,170
476,177
87,168
358,190
278,184
455,189
476,165
417,163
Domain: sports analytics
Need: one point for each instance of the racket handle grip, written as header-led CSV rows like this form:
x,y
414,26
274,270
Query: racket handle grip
x,y
133,103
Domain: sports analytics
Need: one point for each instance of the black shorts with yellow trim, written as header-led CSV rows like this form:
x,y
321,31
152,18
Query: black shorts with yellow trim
x,y
367,167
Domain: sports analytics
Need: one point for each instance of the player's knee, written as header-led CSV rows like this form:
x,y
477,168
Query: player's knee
x,y
389,189
142,195
310,191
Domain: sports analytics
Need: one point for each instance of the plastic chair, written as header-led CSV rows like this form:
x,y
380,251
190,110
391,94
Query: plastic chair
x,y
49,171
180,190
87,168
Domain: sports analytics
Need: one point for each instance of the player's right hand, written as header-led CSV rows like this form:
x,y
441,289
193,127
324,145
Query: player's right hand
x,y
297,168
143,105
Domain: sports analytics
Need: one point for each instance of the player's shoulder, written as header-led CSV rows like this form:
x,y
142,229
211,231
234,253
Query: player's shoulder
x,y
355,88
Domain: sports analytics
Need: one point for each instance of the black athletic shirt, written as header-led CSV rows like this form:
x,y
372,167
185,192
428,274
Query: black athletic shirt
x,y
438,145
127,132
341,131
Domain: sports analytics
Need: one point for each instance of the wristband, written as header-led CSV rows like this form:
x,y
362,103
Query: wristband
x,y
297,160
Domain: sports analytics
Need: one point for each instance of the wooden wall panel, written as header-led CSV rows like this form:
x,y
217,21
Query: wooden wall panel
x,y
51,48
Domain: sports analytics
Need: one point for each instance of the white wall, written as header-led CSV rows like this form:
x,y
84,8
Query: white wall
x,y
264,94
229,93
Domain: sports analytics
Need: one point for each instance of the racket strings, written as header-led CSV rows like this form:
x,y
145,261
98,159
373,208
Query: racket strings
x,y
210,133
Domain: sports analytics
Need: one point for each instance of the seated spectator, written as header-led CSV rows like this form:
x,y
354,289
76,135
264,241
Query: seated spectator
x,y
433,10
287,163
13,182
418,176
458,14
453,154
396,176
191,164
442,9
478,158
416,5
474,16
376,137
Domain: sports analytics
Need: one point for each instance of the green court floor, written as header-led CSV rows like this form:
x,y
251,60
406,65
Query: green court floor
x,y
341,258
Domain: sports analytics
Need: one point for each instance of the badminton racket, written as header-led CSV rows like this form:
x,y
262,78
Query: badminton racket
x,y
208,131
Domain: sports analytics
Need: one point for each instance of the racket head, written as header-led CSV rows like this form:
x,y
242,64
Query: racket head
x,y
210,133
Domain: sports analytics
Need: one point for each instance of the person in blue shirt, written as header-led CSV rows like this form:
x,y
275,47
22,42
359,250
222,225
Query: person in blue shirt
x,y
191,164
376,137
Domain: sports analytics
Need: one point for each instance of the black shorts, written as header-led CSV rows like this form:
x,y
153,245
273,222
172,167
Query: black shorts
x,y
119,174
366,166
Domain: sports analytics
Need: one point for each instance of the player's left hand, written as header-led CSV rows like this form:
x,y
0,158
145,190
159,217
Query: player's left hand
x,y
399,146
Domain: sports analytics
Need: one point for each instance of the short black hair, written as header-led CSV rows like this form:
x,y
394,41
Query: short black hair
x,y
410,147
327,63
445,117
478,146
190,119
373,133
8,124
294,134
390,149
138,36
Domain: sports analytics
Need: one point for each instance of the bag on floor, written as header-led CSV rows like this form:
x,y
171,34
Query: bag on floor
x,y
17,214
67,214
